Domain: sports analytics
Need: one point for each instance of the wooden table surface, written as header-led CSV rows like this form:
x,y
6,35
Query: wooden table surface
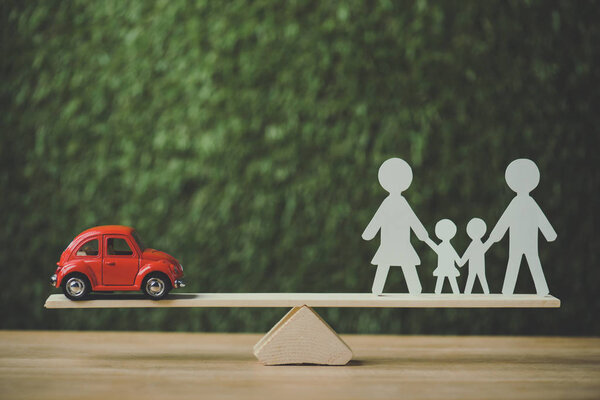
x,y
142,365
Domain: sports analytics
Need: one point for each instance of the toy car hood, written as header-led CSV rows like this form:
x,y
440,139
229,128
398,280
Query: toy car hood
x,y
153,254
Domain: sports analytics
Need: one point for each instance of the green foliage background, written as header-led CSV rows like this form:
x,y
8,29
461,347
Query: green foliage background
x,y
244,138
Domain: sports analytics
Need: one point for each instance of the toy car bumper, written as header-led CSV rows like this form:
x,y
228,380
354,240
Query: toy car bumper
x,y
53,280
179,283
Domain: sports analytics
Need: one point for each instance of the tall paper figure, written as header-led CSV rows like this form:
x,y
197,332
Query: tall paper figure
x,y
522,219
475,255
395,219
447,256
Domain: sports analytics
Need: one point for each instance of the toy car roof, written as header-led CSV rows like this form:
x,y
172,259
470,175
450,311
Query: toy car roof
x,y
107,229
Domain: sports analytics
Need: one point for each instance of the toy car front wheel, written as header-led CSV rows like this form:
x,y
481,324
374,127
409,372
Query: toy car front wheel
x,y
76,286
156,286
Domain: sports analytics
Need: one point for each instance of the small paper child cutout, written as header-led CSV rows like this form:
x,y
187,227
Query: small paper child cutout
x,y
447,256
475,255
523,218
395,219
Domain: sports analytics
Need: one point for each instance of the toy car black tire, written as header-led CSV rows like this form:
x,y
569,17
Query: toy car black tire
x,y
156,285
76,286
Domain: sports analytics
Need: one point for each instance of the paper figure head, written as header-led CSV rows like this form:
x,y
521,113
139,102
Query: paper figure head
x,y
476,228
445,229
395,175
522,175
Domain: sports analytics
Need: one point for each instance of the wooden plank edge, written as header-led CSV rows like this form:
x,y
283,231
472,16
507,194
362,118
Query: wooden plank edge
x,y
60,302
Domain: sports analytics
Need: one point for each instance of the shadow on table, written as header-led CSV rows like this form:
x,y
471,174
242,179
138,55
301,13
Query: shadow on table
x,y
201,357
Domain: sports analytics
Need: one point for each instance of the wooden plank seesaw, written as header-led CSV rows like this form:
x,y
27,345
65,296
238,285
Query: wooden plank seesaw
x,y
302,336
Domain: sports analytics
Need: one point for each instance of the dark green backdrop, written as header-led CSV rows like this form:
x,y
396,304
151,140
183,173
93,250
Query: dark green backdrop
x,y
244,138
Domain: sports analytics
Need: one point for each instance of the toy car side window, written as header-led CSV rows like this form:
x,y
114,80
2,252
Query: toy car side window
x,y
89,248
118,247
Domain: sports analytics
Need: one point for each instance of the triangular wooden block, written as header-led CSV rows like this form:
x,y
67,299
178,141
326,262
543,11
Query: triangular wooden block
x,y
302,337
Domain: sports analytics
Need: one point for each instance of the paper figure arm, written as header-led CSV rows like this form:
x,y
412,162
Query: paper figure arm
x,y
374,225
466,256
431,244
502,225
417,226
487,245
545,226
456,257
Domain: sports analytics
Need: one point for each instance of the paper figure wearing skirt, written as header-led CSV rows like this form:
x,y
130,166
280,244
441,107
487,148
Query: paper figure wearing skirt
x,y
447,256
395,219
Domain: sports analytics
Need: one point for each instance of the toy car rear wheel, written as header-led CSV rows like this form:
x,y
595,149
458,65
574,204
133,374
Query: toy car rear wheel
x,y
76,286
156,286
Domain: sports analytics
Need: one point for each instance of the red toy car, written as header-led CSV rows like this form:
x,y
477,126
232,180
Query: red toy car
x,y
112,257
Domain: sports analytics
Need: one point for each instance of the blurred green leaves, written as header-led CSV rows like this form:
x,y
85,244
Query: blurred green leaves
x,y
244,138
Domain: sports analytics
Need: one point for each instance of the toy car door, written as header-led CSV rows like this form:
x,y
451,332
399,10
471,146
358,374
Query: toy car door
x,y
120,263
89,253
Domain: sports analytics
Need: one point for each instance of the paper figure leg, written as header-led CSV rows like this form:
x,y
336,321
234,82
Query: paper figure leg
x,y
380,277
454,285
512,271
439,284
483,282
412,279
470,282
535,266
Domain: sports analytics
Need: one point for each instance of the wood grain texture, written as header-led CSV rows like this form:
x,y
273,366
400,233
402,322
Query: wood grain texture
x,y
399,300
140,365
302,337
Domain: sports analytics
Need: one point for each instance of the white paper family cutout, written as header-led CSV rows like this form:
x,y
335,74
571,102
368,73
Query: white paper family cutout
x,y
475,255
395,219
